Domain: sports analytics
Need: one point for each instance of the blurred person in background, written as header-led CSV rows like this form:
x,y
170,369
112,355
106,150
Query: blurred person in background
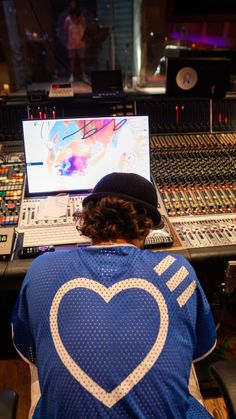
x,y
75,27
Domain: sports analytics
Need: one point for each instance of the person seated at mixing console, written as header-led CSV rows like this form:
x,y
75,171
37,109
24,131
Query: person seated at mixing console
x,y
113,328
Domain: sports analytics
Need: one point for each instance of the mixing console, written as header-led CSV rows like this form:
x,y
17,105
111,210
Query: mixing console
x,y
11,186
196,177
30,213
193,162
41,228
205,231
196,174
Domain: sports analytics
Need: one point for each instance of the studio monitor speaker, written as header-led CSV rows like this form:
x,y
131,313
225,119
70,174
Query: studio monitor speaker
x,y
201,77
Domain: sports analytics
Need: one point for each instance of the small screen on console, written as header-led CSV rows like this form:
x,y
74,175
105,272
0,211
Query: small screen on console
x,y
74,154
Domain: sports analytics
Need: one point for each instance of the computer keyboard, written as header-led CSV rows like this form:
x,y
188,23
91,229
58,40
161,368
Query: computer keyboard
x,y
68,234
53,236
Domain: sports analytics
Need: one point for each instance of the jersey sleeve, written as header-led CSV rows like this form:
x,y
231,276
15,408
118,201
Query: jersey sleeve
x,y
21,330
205,327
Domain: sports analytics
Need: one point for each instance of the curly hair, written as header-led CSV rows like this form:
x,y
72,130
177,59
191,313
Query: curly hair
x,y
112,218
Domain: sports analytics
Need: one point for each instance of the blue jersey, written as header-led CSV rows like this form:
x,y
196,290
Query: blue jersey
x,y
113,332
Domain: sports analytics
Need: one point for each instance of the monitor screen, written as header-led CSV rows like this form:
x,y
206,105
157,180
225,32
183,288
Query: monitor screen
x,y
66,155
107,82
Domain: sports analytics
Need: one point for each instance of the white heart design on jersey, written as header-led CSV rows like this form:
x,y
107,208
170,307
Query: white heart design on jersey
x,y
105,397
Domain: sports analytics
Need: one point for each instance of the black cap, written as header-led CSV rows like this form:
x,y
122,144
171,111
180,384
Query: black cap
x,y
131,187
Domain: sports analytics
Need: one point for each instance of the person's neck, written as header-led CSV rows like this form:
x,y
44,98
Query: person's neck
x,y
139,243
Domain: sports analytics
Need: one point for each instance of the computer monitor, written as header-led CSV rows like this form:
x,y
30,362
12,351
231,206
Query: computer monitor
x,y
107,84
73,154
